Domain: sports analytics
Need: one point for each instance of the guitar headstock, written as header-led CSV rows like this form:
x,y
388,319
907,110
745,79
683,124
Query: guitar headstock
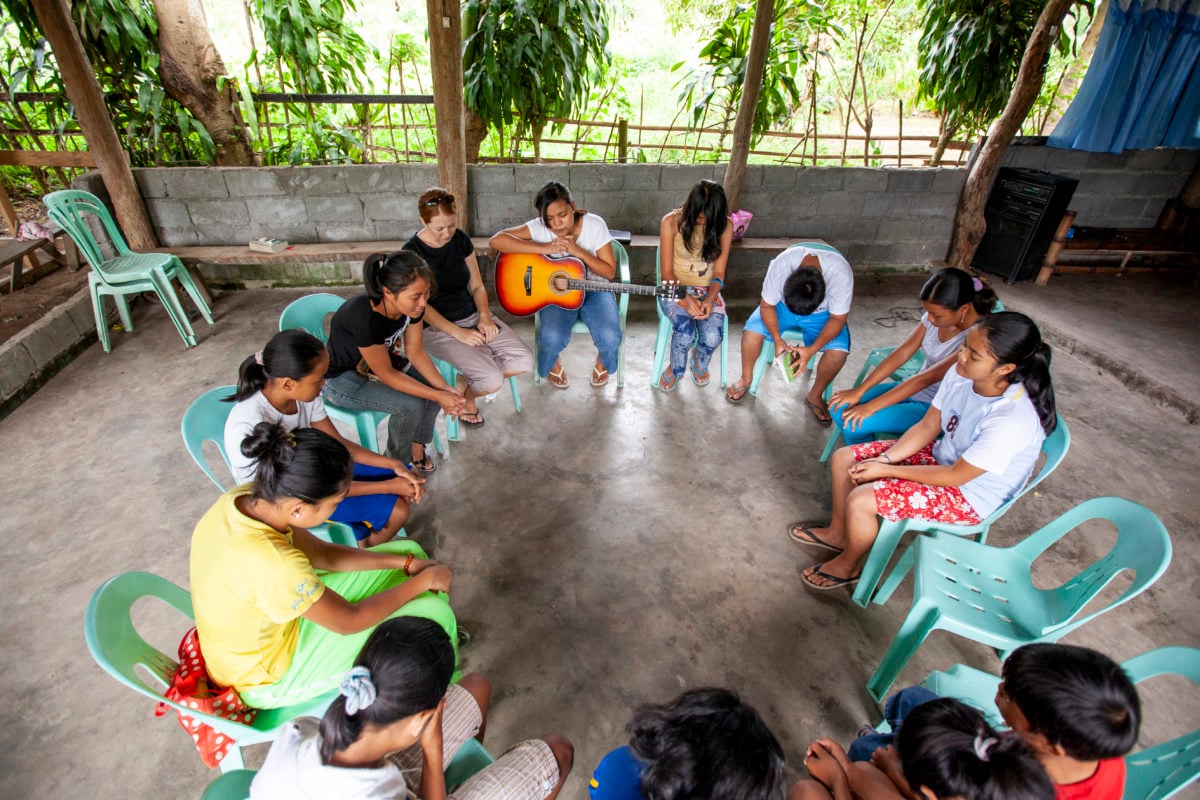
x,y
667,290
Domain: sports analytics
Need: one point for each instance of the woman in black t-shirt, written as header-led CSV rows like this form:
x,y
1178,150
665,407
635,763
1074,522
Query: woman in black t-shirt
x,y
459,327
377,361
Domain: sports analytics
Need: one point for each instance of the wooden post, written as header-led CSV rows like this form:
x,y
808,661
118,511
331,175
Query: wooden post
x,y
445,59
622,140
84,92
1056,247
760,37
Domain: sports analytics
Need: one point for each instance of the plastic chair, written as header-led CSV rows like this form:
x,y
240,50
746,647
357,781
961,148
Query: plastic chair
x,y
470,758
204,421
119,649
450,376
874,359
662,345
127,272
1054,447
309,313
987,593
622,310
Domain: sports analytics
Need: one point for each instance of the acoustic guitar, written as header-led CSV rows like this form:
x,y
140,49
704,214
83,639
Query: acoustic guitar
x,y
528,282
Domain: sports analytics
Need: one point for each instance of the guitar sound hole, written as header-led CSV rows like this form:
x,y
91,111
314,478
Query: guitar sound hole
x,y
558,283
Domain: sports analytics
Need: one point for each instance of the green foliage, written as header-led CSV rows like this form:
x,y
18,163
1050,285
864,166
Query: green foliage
x,y
321,52
526,61
719,81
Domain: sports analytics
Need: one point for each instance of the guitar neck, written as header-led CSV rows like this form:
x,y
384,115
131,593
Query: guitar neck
x,y
608,286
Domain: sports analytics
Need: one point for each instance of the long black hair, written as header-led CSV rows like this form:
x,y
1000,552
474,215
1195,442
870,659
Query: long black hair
x,y
305,464
395,272
707,198
704,744
293,353
947,747
1013,338
409,662
551,193
953,288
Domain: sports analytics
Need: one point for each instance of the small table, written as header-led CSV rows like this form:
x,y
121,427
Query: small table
x,y
15,251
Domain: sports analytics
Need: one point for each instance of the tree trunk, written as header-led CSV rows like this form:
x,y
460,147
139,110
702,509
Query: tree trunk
x,y
189,67
760,37
969,224
84,93
946,136
477,131
445,61
1070,83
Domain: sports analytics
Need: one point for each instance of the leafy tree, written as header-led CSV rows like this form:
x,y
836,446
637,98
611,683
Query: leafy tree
x,y
527,61
321,52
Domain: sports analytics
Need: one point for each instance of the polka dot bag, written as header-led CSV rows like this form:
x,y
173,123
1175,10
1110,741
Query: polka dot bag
x,y
190,686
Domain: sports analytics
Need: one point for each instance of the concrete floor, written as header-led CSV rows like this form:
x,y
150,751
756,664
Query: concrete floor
x,y
610,547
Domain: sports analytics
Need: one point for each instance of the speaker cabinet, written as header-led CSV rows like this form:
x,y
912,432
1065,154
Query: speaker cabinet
x,y
1022,213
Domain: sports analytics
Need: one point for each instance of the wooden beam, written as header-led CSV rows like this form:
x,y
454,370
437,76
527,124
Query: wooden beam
x,y
445,60
760,37
41,158
84,93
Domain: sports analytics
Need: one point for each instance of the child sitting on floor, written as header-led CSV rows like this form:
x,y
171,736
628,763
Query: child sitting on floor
x,y
1075,707
397,724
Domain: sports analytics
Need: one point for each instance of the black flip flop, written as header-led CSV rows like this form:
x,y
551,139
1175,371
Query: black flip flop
x,y
824,422
837,583
809,539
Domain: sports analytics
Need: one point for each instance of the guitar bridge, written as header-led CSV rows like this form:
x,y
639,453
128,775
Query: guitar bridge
x,y
528,281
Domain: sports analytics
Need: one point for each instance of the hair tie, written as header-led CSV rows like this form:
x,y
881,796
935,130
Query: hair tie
x,y
982,746
978,284
291,440
357,689
258,358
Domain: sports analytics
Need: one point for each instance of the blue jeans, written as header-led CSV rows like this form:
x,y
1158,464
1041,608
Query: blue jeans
x,y
412,418
895,418
896,709
598,312
705,333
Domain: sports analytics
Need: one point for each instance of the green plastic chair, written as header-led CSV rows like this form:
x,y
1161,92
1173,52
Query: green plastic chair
x,y
987,593
120,650
662,344
1054,447
309,313
874,359
1155,773
470,758
204,421
622,311
127,272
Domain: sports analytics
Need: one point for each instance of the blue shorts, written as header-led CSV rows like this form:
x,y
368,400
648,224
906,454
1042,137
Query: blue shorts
x,y
366,513
809,326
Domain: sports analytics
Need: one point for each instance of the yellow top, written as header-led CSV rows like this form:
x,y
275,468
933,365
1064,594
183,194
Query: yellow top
x,y
689,268
250,585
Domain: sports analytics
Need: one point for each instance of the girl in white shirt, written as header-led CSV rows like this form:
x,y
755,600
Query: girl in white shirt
x,y
994,409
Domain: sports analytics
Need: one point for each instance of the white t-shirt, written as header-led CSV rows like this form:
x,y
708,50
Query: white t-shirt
x,y
293,771
935,350
1001,435
253,410
593,234
835,269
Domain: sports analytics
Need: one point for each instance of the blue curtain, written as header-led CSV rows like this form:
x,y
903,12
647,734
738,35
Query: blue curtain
x,y
1142,89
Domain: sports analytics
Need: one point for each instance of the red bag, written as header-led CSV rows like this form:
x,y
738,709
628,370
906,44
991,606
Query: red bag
x,y
190,686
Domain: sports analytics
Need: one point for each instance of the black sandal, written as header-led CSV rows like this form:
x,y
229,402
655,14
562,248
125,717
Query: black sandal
x,y
425,463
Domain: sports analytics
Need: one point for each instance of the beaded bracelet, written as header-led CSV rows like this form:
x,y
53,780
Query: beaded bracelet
x,y
408,563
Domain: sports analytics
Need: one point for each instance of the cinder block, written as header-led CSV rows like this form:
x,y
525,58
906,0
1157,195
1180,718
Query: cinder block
x,y
595,177
249,182
1089,210
1159,184
294,233
325,210
218,212
867,181
45,339
1066,162
639,177
492,179
169,213
897,230
839,204
882,205
854,229
271,210
16,367
779,178
392,230
605,204
1026,156
752,179
183,237
323,180
529,178
392,207
150,182
372,178
418,177
935,205
937,229
198,182
1107,161
949,181
79,309
1183,161
501,206
676,178
910,180
815,180
361,232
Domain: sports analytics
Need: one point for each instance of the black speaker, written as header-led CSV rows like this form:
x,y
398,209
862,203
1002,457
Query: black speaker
x,y
1022,214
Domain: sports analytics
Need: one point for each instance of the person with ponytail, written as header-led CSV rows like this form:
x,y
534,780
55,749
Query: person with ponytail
x,y
280,613
377,359
397,724
459,326
993,410
953,301
945,750
282,383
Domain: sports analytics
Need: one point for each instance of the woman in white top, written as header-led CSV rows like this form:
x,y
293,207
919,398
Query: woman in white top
x,y
953,302
993,411
561,229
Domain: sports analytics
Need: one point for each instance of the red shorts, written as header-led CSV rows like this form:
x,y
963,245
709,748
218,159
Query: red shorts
x,y
897,499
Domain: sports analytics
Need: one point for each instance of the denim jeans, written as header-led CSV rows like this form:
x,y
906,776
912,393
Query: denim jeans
x,y
706,334
598,312
412,418
896,418
896,709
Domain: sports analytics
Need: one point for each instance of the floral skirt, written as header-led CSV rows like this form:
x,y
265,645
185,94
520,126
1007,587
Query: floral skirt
x,y
897,498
